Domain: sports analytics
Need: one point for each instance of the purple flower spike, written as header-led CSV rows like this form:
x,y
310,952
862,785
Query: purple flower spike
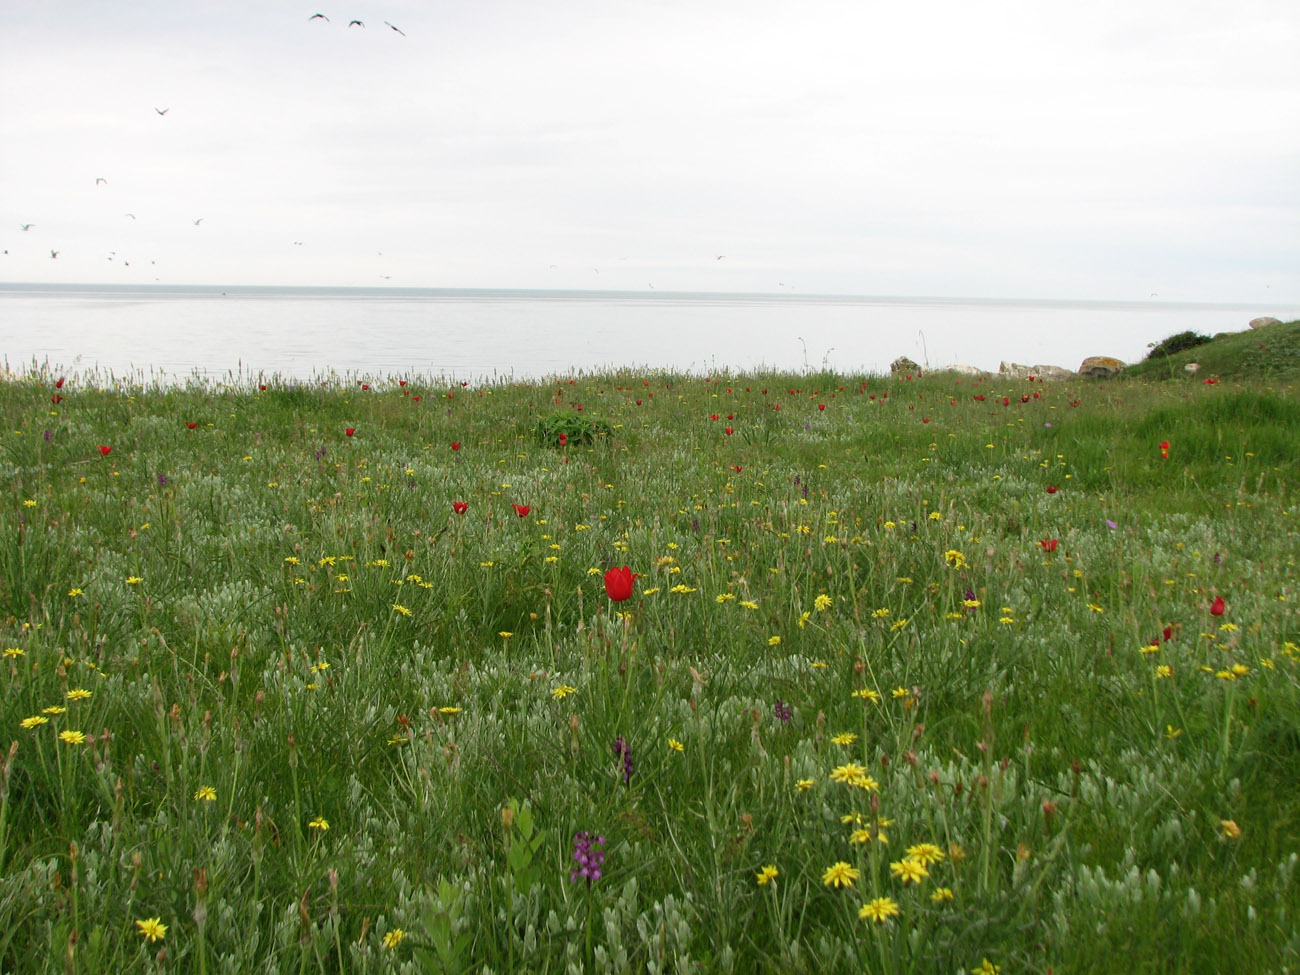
x,y
782,712
624,751
589,858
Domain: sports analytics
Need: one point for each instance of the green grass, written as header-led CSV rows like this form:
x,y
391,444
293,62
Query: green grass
x,y
282,627
1260,355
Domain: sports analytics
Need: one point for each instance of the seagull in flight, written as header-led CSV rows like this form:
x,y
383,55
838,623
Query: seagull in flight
x,y
355,23
199,221
398,29
161,111
131,215
100,179
319,17
53,255
26,226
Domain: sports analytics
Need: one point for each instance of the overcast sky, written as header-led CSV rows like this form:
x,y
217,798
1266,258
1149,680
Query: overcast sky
x,y
1005,149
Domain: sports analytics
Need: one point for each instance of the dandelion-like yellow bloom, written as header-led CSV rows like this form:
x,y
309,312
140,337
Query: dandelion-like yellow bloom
x,y
847,738
133,580
840,875
941,894
12,652
563,691
898,693
926,853
450,710
29,503
848,773
1163,671
35,721
803,619
398,607
867,694
393,938
860,836
724,597
823,602
55,708
909,870
206,793
1230,828
320,823
773,641
675,745
152,929
77,694
881,613
766,875
505,634
803,785
986,967
73,737
76,591
879,910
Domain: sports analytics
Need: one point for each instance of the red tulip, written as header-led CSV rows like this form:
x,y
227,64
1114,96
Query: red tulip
x,y
821,406
980,397
713,416
415,398
190,426
460,507
56,399
262,387
618,583
564,440
1164,449
365,385
59,384
737,468
455,445
348,431
1210,382
1216,608
522,510
1052,489
401,382
1049,544
105,450
728,431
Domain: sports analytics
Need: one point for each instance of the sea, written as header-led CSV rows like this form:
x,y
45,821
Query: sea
x,y
167,334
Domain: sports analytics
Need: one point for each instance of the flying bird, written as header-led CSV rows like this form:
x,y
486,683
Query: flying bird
x,y
100,179
161,111
131,215
53,255
720,257
398,29
355,23
319,17
199,221
26,226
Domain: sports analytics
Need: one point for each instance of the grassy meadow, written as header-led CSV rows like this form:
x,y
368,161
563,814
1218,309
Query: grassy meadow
x,y
917,674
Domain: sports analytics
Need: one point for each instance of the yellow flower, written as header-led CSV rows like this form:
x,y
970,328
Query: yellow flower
x,y
1230,828
563,691
840,875
748,604
1164,670
206,793
14,652
450,710
803,785
909,870
941,894
986,967
847,738
76,591
900,692
867,694
879,910
152,929
133,580
320,823
860,836
823,602
926,853
398,607
35,721
766,875
881,613
73,737
393,938
29,503
773,641
675,745
77,694
723,597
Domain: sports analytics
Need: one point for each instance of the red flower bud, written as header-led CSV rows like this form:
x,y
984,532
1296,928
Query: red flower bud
x,y
522,510
348,431
1217,607
460,507
105,450
618,583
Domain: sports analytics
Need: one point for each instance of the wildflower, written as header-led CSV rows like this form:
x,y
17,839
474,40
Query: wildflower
x,y
319,823
941,894
55,708
35,721
773,641
77,694
724,597
1171,732
72,737
1052,489
1218,607
955,558
349,431
781,711
880,614
898,693
393,938
1230,829
505,634
986,967
879,910
105,450
206,793
588,856
1164,671
860,836
29,503
803,785
14,652
1048,544
840,875
563,691
1095,608
847,738
522,510
766,875
823,602
455,445
619,583
152,929
76,591
450,711
866,694
909,870
398,607
803,619
624,751
460,507
675,745
748,604
925,853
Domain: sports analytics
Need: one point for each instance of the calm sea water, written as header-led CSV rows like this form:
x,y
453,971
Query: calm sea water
x,y
173,332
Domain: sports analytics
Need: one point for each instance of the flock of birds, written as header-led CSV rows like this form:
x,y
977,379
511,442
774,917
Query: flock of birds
x,y
162,113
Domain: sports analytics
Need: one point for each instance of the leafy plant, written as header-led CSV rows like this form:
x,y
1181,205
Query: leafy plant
x,y
1177,343
566,427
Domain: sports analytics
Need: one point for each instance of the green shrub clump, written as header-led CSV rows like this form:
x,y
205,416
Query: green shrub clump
x,y
1177,343
566,427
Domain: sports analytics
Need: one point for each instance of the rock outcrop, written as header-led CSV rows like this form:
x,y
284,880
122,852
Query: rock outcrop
x,y
1100,367
905,365
1264,322
1014,370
